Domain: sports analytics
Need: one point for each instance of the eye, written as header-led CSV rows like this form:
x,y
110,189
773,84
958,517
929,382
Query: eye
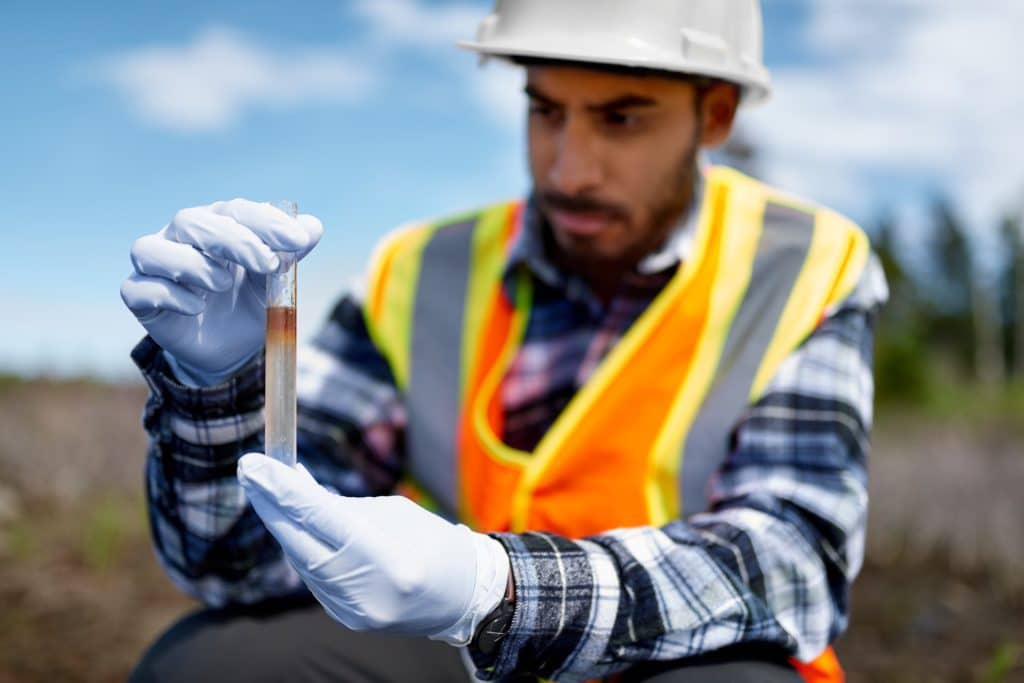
x,y
545,112
619,120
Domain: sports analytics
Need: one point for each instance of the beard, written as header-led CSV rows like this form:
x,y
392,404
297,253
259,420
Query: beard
x,y
646,227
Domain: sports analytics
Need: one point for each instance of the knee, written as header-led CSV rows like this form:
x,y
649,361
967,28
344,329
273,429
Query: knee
x,y
738,664
181,653
229,644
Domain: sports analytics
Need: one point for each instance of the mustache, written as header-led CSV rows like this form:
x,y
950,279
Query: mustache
x,y
581,204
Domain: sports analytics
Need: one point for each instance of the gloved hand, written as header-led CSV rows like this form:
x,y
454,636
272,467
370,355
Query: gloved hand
x,y
199,284
382,564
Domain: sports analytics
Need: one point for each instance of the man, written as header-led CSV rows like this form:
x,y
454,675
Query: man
x,y
647,388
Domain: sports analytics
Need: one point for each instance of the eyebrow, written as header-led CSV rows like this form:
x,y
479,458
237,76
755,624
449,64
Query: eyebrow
x,y
622,102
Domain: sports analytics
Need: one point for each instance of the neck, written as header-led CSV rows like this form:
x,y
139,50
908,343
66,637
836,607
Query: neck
x,y
603,278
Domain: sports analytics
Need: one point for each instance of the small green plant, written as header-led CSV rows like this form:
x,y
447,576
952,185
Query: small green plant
x,y
104,532
20,541
9,382
1006,658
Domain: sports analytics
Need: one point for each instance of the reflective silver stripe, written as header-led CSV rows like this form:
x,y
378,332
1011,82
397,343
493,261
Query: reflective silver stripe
x,y
435,363
785,241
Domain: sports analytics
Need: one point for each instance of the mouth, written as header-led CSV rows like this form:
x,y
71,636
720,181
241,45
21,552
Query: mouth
x,y
579,223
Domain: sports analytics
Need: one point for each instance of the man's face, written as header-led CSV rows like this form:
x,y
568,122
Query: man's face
x,y
613,158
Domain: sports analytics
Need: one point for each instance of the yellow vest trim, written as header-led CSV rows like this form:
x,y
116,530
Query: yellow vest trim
x,y
738,251
397,263
495,446
488,262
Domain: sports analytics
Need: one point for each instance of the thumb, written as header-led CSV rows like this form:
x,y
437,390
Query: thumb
x,y
314,231
299,497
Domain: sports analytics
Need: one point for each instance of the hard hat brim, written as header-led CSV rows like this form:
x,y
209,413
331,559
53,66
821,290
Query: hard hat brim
x,y
756,88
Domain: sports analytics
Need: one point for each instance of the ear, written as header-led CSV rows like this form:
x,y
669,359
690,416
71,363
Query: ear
x,y
718,111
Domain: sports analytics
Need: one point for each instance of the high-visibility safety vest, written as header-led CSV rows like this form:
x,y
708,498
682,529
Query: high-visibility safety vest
x,y
640,440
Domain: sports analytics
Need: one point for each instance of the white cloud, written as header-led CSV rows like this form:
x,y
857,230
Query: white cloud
x,y
411,23
433,29
207,84
923,89
498,90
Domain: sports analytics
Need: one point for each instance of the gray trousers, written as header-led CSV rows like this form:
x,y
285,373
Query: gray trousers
x,y
294,640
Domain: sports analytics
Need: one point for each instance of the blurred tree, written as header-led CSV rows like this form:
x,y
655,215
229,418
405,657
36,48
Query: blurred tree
x,y
951,261
946,315
904,299
989,363
902,369
1011,294
964,324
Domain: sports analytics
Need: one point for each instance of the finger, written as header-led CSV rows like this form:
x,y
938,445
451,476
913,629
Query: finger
x,y
275,477
314,231
146,296
222,237
339,611
272,225
300,497
158,256
302,468
344,612
304,550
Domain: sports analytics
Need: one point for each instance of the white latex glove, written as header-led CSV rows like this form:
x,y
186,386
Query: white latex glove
x,y
381,564
199,284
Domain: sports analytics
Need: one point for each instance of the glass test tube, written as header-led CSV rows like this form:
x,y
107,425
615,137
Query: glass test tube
x,y
280,361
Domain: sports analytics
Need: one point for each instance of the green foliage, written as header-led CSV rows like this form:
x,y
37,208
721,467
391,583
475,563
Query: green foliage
x,y
950,262
943,331
902,372
104,532
9,382
19,540
1011,296
1007,657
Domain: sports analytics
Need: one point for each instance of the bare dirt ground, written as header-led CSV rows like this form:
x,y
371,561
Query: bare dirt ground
x,y
941,597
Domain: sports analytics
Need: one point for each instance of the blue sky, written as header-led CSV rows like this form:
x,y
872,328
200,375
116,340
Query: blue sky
x,y
367,115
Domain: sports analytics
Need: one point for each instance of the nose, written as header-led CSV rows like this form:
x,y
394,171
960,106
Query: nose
x,y
577,168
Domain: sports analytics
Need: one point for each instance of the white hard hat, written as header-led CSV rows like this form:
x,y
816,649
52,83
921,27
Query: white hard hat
x,y
714,38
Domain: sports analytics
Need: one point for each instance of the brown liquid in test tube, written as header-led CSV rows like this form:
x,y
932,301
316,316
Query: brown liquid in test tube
x,y
281,326
280,404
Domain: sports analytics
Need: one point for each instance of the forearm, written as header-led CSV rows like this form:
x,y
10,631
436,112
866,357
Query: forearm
x,y
206,534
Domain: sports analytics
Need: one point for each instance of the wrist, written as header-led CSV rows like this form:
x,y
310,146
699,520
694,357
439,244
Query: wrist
x,y
198,378
493,574
496,625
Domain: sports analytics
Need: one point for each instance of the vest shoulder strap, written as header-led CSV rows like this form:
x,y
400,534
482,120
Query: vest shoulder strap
x,y
835,261
396,277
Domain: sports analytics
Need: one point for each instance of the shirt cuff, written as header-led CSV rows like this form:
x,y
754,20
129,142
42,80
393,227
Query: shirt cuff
x,y
241,393
567,597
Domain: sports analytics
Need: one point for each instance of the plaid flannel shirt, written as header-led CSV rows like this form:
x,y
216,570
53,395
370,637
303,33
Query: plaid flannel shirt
x,y
770,562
